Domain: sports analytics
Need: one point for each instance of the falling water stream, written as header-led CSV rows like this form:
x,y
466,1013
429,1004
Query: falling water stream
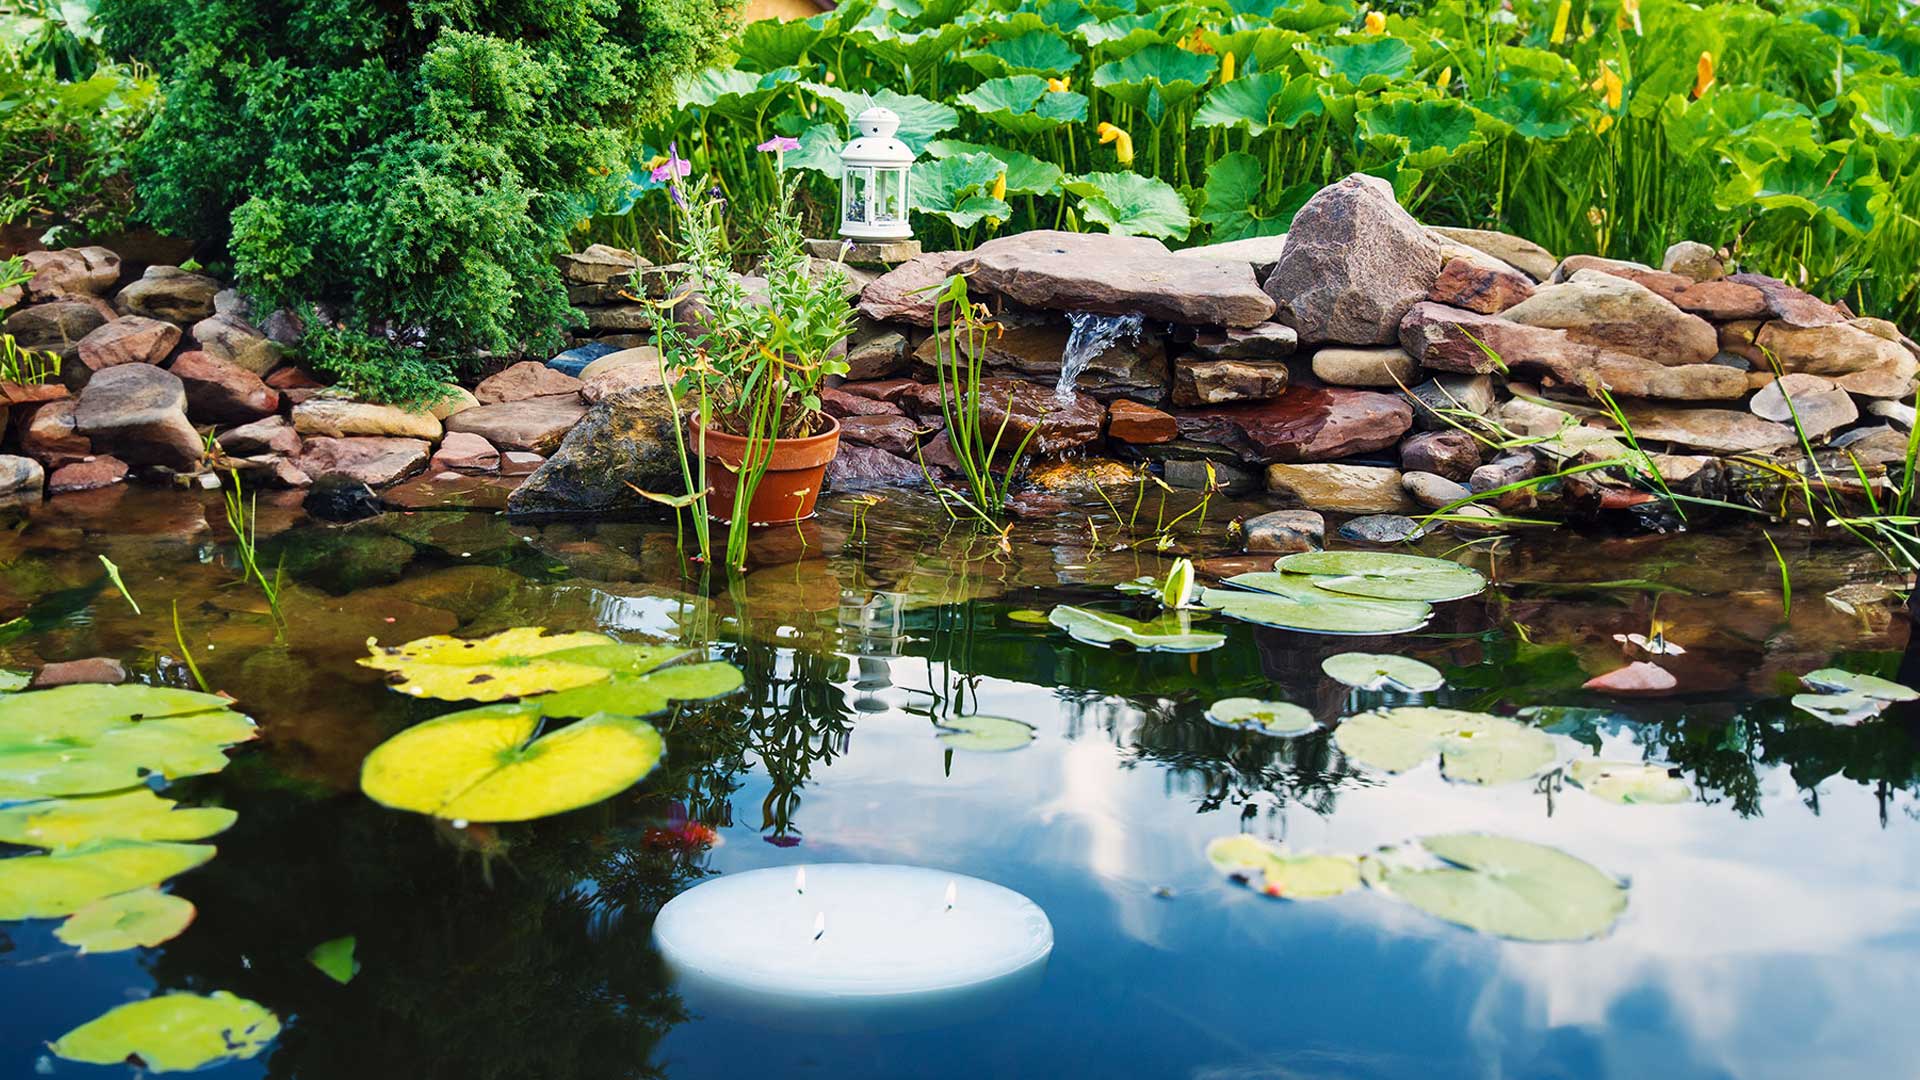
x,y
1092,335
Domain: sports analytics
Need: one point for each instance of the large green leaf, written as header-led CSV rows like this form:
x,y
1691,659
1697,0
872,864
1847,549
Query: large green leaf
x,y
1498,885
1164,72
1038,52
1232,209
921,121
136,814
1023,105
916,51
1475,748
739,94
1533,109
1123,35
1840,186
774,43
1263,100
485,764
1369,64
50,886
1289,602
959,188
1132,205
139,919
1026,174
1384,575
1427,133
1172,632
173,1033
819,152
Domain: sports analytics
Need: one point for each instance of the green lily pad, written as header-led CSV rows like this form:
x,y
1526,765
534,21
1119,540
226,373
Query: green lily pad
x,y
136,814
1501,886
1168,633
335,959
1385,575
1290,602
85,710
11,680
1271,870
1629,782
1028,615
1475,748
173,1033
139,919
512,663
1843,709
1132,205
1836,680
485,764
1281,718
984,734
643,695
1383,671
50,886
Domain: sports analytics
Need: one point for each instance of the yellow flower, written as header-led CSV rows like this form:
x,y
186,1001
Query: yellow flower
x,y
1060,86
1122,142
1000,186
1560,22
1376,23
1196,42
829,79
1704,78
1630,15
1446,78
1226,68
1601,128
1610,86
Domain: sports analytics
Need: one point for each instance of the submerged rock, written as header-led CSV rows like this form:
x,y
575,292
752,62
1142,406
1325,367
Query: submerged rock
x,y
1382,529
1282,532
625,440
340,498
20,478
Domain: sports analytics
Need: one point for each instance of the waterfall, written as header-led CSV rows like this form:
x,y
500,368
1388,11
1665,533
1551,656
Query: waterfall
x,y
1092,335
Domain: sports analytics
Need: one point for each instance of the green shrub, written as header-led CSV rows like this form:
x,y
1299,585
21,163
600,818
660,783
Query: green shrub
x,y
63,145
414,166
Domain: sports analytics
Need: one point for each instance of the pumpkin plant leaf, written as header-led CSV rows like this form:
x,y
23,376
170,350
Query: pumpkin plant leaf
x,y
958,188
1162,72
1022,104
173,1033
1025,174
1132,205
1036,52
1501,886
139,919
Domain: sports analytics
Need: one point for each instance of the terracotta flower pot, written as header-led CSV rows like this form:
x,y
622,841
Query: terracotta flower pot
x,y
795,470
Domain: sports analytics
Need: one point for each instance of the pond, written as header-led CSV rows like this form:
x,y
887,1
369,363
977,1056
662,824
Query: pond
x,y
1772,926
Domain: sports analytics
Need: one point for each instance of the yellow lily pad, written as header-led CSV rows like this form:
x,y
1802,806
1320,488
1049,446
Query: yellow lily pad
x,y
643,695
139,919
1476,748
50,886
136,814
484,764
1276,872
1629,782
510,664
173,1032
101,752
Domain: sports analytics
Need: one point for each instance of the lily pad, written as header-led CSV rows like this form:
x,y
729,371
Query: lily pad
x,y
1028,615
485,764
173,1032
984,734
1281,718
1385,575
1629,782
1383,671
11,680
511,663
139,919
1501,886
136,814
1842,710
50,886
1837,680
1291,602
643,695
1475,748
335,959
1270,869
1168,633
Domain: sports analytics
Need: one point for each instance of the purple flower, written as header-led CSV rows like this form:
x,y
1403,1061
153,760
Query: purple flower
x,y
779,144
671,169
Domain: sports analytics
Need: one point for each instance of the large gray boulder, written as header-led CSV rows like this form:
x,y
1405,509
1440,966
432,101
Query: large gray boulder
x,y
627,439
138,413
178,296
1118,275
1354,263
71,273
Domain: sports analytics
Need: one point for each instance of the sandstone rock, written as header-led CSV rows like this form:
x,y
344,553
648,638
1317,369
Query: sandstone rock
x,y
1118,275
1260,252
1384,366
457,399
1354,263
1283,532
292,377
272,435
100,670
1525,255
223,393
526,379
169,293
97,472
892,391
1611,312
341,417
1268,341
463,452
1302,425
49,435
71,272
20,478
1438,402
1850,353
56,327
1025,407
1452,339
1444,338
1132,422
535,424
1631,376
858,468
1219,382
1790,305
872,254
1817,405
1449,453
1504,471
1641,678
1466,284
1131,365
520,463
619,318
894,434
1717,299
839,403
230,338
1353,489
1722,430
371,460
908,292
1692,259
1432,490
599,264
138,413
1573,264
624,439
1381,529
618,372
129,340
878,356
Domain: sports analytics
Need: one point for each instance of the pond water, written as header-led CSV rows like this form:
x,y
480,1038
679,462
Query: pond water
x,y
1772,928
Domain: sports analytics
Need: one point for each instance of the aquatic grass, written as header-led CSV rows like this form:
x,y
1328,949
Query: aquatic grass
x,y
113,575
243,520
960,366
186,654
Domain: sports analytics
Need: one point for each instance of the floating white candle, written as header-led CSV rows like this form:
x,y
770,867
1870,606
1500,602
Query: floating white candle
x,y
852,945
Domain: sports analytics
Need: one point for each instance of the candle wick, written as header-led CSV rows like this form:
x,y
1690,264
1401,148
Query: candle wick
x,y
800,881
953,893
819,925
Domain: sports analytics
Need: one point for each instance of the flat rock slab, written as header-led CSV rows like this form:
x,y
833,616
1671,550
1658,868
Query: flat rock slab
x,y
536,424
1302,425
1515,251
1723,430
1352,489
451,491
372,460
1119,275
526,379
340,418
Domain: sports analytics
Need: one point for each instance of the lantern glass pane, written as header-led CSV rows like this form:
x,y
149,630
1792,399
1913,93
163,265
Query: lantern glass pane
x,y
855,194
888,195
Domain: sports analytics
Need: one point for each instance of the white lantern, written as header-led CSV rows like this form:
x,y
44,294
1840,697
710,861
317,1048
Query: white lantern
x,y
874,179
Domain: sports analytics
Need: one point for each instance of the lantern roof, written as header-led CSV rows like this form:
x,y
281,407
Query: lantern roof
x,y
875,143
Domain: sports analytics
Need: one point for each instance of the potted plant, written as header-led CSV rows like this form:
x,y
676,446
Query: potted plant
x,y
747,363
